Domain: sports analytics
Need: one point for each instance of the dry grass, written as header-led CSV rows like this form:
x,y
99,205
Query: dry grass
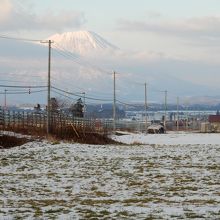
x,y
83,135
7,141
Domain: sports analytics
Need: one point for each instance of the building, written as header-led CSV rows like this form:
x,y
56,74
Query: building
x,y
214,121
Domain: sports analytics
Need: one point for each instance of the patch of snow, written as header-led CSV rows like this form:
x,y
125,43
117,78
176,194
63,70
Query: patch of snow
x,y
73,181
172,138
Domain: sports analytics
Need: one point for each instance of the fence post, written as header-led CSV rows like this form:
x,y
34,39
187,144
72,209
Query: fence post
x,y
9,119
23,119
3,118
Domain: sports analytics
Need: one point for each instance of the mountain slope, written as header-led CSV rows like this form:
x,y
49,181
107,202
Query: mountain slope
x,y
27,63
82,42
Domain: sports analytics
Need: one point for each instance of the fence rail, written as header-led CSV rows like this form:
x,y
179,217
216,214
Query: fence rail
x,y
37,121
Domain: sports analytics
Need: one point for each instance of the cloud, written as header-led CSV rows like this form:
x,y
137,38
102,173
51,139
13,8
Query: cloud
x,y
153,14
207,27
16,18
5,9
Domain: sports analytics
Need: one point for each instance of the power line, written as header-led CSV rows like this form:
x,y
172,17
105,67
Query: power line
x,y
67,54
71,57
17,93
82,90
20,75
126,103
131,80
27,87
60,52
87,97
18,90
18,39
7,80
55,80
71,98
14,81
59,47
63,95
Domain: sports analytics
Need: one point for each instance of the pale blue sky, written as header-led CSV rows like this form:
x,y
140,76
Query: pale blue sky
x,y
134,7
100,13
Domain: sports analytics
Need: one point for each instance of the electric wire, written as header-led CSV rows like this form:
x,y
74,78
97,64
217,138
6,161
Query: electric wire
x,y
81,96
58,93
67,57
28,87
19,39
74,59
19,93
132,105
78,59
8,80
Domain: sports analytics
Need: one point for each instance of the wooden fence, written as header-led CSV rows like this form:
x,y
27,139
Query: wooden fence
x,y
64,124
37,121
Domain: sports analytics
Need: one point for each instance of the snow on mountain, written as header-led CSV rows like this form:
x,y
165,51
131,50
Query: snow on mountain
x,y
82,42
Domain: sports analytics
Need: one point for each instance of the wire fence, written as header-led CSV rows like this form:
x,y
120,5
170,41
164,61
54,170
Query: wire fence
x,y
63,123
59,122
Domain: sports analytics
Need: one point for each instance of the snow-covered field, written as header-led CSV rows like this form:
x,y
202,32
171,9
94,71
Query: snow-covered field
x,y
171,176
172,138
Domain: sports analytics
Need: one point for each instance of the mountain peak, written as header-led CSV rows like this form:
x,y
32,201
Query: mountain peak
x,y
82,42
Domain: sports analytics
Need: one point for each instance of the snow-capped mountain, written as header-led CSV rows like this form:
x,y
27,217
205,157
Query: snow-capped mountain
x,y
23,61
82,42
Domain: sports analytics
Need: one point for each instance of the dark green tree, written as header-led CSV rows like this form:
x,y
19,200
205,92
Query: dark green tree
x,y
77,108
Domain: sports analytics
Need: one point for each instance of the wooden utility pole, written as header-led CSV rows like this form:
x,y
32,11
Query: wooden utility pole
x,y
49,42
187,115
165,108
145,105
5,99
48,90
84,103
177,122
114,104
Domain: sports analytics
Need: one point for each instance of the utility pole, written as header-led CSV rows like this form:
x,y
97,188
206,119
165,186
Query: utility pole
x,y
177,122
114,104
187,115
145,105
6,99
48,89
49,42
84,102
165,108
